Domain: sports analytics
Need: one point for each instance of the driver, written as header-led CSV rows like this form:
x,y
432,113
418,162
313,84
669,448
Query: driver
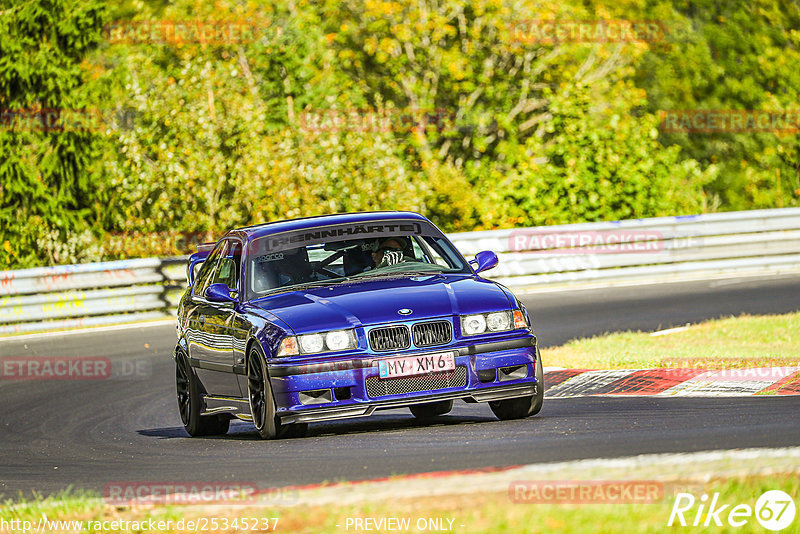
x,y
389,251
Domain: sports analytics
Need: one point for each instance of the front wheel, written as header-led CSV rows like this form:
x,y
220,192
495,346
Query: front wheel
x,y
522,406
262,403
190,403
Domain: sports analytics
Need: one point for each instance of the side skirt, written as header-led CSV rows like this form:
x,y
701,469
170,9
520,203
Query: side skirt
x,y
239,408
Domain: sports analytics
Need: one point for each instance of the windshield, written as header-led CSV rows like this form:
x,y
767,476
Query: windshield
x,y
340,259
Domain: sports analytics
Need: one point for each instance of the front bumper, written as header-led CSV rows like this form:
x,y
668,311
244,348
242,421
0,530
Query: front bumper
x,y
348,396
310,415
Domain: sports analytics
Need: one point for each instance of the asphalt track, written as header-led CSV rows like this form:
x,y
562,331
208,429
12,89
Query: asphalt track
x,y
85,434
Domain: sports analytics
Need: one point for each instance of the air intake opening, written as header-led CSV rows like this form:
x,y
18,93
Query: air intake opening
x,y
315,396
514,372
342,393
487,375
379,387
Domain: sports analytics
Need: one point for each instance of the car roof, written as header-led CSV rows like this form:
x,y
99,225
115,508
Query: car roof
x,y
251,232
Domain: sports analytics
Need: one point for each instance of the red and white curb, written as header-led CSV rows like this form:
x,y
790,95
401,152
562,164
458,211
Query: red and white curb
x,y
682,382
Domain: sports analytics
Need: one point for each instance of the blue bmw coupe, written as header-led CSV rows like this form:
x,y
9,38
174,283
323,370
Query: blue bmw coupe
x,y
337,316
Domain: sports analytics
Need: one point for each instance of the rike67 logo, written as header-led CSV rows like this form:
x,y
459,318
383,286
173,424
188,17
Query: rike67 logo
x,y
774,510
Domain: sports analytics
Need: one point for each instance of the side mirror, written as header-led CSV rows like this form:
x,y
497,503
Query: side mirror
x,y
219,293
484,261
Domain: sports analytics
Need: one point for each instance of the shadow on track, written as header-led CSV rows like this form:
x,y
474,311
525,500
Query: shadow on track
x,y
389,423
244,431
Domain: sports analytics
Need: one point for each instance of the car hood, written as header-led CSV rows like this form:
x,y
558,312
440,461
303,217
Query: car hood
x,y
376,301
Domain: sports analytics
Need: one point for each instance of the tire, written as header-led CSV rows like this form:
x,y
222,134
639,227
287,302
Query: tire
x,y
259,393
190,403
431,409
262,403
523,406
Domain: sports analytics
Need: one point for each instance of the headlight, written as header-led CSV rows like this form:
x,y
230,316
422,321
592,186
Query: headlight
x,y
334,340
338,339
311,343
472,325
498,321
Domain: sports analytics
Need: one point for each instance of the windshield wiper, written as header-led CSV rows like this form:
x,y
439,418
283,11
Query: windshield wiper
x,y
306,285
379,274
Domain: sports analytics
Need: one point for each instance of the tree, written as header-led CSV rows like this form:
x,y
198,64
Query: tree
x,y
234,133
503,102
47,203
595,165
734,55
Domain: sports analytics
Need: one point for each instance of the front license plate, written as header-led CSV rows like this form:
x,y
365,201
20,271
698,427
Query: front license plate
x,y
417,365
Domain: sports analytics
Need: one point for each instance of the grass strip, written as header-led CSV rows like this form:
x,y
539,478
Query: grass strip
x,y
730,343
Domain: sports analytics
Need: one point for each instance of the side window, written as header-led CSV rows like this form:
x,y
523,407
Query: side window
x,y
433,255
209,268
229,267
420,254
444,255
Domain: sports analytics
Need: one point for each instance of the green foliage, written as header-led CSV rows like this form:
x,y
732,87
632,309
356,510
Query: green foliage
x,y
220,138
47,202
438,107
594,165
528,127
740,54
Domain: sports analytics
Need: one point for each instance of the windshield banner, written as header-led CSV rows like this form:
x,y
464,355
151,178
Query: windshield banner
x,y
341,232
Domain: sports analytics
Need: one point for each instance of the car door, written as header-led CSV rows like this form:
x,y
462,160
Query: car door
x,y
211,323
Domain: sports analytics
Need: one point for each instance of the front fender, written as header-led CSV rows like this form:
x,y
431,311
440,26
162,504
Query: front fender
x,y
182,345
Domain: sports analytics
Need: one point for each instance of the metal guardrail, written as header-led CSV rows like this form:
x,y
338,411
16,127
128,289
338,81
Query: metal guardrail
x,y
68,296
51,298
663,247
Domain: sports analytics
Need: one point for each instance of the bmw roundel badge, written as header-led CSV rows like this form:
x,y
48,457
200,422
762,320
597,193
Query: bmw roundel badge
x,y
404,311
